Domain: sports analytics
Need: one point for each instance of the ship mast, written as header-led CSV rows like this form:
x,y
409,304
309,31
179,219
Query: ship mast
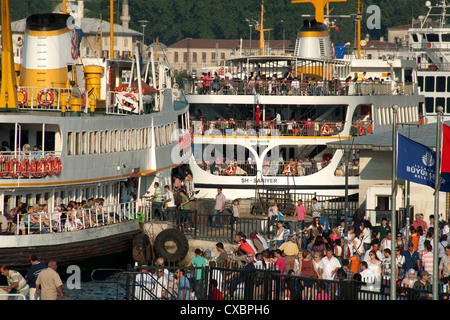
x,y
319,6
260,27
8,91
111,30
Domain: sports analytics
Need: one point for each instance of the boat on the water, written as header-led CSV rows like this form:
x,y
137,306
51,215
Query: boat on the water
x,y
81,145
263,121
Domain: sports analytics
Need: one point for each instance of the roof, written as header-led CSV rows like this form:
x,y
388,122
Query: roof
x,y
88,25
382,141
406,27
227,43
377,44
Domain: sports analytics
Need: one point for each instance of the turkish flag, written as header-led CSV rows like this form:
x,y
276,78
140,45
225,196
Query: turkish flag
x,y
338,28
445,156
257,112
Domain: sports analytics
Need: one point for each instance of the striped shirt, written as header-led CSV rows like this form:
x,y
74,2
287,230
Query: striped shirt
x,y
427,260
158,194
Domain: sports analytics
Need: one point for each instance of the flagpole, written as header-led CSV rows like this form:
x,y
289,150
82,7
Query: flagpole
x,y
393,205
439,110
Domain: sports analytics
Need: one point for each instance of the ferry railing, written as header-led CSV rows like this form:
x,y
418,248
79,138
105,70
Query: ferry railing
x,y
299,87
231,128
43,99
29,164
70,220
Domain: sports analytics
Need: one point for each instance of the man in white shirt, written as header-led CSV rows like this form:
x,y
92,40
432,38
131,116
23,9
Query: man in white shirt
x,y
328,265
368,277
168,204
219,207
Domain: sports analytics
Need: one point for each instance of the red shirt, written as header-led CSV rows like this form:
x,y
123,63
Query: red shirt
x,y
245,247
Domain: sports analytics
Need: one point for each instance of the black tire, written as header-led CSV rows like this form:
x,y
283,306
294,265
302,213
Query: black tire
x,y
141,249
179,242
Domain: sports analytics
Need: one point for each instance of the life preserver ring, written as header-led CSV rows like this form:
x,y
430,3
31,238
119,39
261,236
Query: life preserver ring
x,y
230,169
325,129
48,167
35,168
84,97
361,130
24,99
199,128
4,167
369,129
289,170
14,168
25,168
40,167
128,95
56,166
48,95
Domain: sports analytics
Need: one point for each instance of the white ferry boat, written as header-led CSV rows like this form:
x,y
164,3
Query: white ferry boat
x,y
429,44
264,121
70,133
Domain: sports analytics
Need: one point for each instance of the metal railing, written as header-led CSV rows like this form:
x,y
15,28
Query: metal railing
x,y
30,164
259,283
43,99
272,128
297,87
44,222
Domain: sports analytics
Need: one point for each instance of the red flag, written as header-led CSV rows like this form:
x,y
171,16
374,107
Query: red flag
x,y
338,28
445,153
257,112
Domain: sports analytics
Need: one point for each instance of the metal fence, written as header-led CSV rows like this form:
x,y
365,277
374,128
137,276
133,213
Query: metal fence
x,y
215,283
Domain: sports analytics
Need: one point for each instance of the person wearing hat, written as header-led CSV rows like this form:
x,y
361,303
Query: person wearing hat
x,y
423,285
32,274
412,258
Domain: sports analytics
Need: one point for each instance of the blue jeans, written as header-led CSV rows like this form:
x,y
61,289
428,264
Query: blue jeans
x,y
168,213
184,214
157,206
217,213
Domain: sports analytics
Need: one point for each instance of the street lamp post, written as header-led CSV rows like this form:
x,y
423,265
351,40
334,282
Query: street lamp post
x,y
143,24
347,152
393,287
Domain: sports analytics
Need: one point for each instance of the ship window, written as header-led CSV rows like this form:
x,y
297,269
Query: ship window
x,y
440,84
420,83
440,102
415,38
77,143
447,106
429,84
84,143
69,143
432,37
448,84
445,37
429,105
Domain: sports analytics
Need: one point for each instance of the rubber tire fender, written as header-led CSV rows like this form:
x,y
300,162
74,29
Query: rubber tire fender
x,y
176,236
142,253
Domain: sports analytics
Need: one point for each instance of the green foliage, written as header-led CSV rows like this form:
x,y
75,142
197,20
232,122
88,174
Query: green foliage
x,y
174,20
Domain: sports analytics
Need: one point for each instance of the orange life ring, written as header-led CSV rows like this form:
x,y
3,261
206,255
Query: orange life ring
x,y
369,129
289,170
35,169
361,130
128,95
84,97
48,95
48,167
325,129
4,167
56,166
25,168
230,169
199,128
24,99
14,168
40,167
